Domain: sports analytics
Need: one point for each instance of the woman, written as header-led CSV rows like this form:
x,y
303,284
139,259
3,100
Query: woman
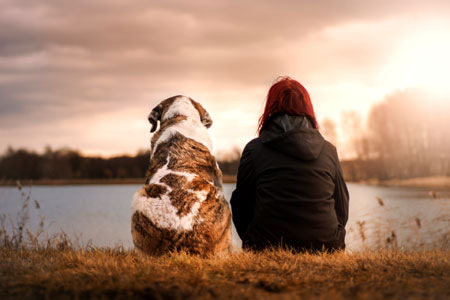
x,y
290,191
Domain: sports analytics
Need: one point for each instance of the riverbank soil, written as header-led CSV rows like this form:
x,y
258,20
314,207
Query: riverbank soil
x,y
115,273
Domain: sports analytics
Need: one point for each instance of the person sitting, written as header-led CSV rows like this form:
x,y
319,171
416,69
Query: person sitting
x,y
290,191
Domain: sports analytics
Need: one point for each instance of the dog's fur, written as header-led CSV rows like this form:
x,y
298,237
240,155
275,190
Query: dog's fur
x,y
181,206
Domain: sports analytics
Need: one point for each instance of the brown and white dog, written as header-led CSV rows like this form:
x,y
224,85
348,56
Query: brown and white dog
x,y
181,206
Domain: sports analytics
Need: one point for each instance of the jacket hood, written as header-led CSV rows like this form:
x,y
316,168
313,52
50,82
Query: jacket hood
x,y
293,136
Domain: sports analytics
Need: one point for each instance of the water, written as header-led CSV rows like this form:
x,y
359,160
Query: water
x,y
101,214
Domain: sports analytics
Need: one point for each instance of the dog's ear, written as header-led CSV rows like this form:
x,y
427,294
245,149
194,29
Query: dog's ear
x,y
204,116
206,120
155,116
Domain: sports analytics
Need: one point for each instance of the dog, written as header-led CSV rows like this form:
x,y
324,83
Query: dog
x,y
181,206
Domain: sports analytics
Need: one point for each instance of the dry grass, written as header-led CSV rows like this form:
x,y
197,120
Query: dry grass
x,y
115,273
56,267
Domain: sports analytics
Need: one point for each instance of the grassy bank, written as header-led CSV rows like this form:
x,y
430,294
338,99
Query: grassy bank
x,y
272,274
35,266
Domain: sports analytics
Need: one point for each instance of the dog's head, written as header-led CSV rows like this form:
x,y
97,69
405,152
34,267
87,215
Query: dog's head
x,y
178,106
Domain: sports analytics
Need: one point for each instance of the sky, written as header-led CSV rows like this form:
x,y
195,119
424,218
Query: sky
x,y
85,74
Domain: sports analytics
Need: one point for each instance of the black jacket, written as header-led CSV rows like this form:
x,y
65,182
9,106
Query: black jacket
x,y
290,190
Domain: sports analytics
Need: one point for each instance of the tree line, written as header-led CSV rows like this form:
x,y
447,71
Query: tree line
x,y
69,164
406,135
20,164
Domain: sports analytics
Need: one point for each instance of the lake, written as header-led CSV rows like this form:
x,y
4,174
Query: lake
x,y
379,216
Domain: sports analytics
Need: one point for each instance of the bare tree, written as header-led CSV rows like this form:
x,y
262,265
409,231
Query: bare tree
x,y
408,135
356,138
328,129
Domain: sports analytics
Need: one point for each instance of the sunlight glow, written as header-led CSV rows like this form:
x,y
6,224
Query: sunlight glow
x,y
422,61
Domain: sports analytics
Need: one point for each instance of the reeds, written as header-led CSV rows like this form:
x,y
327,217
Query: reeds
x,y
375,231
21,234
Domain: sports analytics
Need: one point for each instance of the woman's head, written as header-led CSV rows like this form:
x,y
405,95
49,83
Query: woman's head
x,y
290,97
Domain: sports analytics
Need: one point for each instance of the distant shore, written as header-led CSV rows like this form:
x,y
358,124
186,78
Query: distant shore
x,y
421,182
27,182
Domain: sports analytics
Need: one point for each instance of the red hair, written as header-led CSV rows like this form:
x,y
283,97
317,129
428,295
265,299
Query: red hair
x,y
287,96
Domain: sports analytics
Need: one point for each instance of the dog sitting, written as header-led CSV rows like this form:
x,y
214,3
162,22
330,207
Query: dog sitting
x,y
181,206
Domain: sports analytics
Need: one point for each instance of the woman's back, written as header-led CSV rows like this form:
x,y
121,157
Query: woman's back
x,y
293,185
290,188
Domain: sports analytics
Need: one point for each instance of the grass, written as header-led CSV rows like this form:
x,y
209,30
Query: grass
x,y
56,267
278,274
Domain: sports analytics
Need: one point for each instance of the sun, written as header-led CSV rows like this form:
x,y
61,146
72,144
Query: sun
x,y
422,60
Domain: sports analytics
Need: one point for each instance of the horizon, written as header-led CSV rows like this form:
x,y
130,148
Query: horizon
x,y
84,75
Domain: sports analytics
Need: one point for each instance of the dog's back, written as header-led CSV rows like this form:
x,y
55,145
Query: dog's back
x,y
182,205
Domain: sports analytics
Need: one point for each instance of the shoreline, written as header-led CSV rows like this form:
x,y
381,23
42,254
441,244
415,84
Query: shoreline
x,y
432,182
115,181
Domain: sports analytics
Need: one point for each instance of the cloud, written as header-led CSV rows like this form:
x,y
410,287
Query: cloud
x,y
76,61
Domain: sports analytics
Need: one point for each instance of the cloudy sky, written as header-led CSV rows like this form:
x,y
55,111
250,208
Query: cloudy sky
x,y
85,74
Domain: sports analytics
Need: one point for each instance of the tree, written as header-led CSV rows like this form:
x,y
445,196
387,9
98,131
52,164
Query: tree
x,y
356,137
328,129
408,135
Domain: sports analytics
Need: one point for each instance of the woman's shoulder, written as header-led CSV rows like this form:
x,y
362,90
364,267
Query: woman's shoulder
x,y
255,141
253,144
252,149
330,151
330,147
